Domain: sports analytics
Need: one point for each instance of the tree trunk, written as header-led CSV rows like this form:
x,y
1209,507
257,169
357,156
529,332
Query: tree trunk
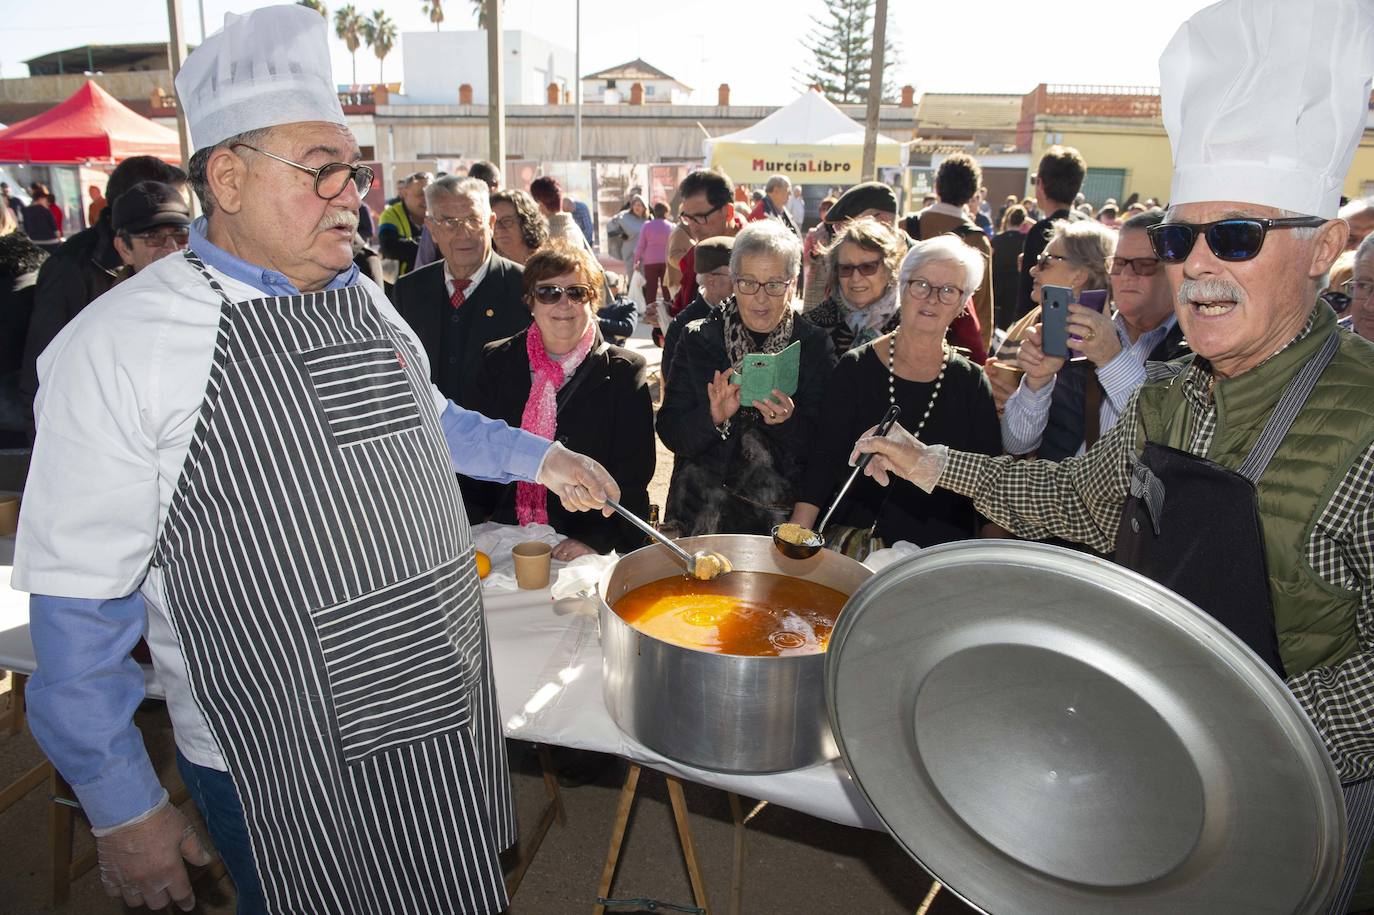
x,y
354,55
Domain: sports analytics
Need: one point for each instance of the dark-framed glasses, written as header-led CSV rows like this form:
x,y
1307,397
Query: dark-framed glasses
x,y
552,294
701,218
924,289
867,268
1235,239
774,288
330,180
1140,266
1046,258
161,238
1358,290
454,223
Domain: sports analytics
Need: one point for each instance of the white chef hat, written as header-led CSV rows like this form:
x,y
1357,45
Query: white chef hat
x,y
1265,101
264,68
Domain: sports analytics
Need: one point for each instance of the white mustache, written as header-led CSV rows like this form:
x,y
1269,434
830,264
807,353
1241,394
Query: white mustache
x,y
1209,290
336,218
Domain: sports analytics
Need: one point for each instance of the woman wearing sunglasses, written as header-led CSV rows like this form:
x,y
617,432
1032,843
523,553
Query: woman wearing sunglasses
x,y
860,270
939,391
738,463
561,380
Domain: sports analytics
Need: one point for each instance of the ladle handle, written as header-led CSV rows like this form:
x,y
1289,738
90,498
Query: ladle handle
x,y
884,426
648,528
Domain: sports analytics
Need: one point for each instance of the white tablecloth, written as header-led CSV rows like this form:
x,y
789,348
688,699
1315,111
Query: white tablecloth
x,y
547,658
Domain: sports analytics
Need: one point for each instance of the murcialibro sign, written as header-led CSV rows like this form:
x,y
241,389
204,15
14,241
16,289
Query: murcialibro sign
x,y
753,163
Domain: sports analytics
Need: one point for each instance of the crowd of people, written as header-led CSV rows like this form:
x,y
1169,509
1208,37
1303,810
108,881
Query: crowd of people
x,y
341,396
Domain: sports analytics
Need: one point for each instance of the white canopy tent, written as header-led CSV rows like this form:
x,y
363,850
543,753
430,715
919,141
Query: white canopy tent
x,y
809,140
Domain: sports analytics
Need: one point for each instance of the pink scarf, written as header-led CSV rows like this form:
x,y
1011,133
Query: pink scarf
x,y
541,410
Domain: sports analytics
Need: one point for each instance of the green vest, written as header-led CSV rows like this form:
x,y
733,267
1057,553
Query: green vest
x,y
1315,621
396,215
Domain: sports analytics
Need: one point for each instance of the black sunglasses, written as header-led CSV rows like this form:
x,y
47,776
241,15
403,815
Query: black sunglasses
x,y
1140,266
549,294
867,268
1237,239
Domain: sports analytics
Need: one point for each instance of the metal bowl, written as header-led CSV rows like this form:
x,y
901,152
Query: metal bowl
x,y
727,713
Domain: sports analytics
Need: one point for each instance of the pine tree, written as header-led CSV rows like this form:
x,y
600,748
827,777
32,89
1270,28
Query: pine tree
x,y
841,47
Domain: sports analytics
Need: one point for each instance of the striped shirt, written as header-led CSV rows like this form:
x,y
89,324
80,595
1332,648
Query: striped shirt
x,y
1081,499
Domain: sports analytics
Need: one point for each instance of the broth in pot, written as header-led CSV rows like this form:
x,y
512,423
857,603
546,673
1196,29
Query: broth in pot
x,y
755,614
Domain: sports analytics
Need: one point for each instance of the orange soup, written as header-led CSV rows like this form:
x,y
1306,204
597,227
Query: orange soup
x,y
743,613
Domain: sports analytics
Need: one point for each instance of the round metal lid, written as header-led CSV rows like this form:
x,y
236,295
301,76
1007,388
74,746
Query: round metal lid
x,y
1045,731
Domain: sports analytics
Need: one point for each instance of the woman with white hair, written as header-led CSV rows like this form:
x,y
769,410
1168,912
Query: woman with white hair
x,y
938,390
739,462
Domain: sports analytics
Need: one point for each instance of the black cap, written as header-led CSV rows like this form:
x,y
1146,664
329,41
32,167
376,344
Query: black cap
x,y
714,253
147,205
871,195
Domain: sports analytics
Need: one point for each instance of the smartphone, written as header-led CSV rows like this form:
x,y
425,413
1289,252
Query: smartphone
x,y
1096,299
1054,317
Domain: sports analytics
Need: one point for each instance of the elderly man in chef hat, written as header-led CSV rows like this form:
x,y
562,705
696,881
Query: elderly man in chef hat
x,y
1243,477
239,450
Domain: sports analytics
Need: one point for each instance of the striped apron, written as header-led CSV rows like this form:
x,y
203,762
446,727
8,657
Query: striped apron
x,y
319,574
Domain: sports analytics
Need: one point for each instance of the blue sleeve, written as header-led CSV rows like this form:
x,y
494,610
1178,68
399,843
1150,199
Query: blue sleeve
x,y
488,449
82,699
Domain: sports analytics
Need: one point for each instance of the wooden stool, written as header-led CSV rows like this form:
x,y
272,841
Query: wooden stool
x,y
553,810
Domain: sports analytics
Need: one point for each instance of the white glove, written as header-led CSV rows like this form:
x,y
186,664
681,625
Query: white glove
x,y
580,482
901,453
141,860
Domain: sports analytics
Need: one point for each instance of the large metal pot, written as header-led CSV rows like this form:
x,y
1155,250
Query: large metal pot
x,y
723,712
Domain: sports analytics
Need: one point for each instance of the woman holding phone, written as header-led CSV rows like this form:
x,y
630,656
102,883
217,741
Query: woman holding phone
x,y
738,463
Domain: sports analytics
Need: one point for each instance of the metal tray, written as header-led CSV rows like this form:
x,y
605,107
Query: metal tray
x,y
1045,731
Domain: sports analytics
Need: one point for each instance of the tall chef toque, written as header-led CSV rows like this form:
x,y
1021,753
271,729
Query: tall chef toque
x,y
1265,101
264,68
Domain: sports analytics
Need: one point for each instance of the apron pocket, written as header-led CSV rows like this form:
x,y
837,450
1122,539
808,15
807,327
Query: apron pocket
x,y
363,390
402,661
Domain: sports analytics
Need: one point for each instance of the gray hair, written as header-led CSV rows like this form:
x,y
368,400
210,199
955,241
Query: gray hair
x,y
410,179
1366,248
775,182
1088,246
475,189
200,162
943,248
766,237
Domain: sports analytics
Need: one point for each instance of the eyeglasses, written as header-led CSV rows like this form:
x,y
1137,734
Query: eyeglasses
x,y
1358,290
507,222
774,288
550,294
454,223
161,238
946,294
1140,266
1044,260
867,268
701,218
1237,239
330,180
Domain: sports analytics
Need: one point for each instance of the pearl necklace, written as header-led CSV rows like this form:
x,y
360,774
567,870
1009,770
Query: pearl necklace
x,y
892,378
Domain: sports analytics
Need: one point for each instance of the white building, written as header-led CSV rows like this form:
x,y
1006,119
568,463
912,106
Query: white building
x,y
437,63
614,86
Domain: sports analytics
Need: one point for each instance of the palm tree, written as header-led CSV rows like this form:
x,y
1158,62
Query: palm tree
x,y
434,9
479,7
317,6
380,34
348,25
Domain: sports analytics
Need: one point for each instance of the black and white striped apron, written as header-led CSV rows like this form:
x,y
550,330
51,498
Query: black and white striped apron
x,y
319,574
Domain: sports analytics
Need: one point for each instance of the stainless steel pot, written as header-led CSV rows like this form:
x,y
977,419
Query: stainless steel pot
x,y
713,711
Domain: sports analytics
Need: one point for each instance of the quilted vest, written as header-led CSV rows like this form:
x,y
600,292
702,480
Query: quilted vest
x,y
1315,620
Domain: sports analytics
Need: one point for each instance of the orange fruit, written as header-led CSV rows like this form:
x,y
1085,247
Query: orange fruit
x,y
483,564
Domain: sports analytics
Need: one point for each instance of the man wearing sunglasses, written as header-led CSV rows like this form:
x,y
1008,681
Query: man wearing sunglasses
x,y
1242,478
240,451
151,220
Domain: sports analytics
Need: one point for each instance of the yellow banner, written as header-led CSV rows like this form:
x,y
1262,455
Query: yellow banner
x,y
755,163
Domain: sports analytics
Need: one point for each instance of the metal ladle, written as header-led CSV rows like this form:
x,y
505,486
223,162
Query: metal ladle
x,y
703,565
812,541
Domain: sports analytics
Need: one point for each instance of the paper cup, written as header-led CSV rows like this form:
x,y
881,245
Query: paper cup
x,y
532,560
9,513
1008,373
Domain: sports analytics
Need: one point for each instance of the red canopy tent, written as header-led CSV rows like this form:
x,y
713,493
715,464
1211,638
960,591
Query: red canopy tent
x,y
91,126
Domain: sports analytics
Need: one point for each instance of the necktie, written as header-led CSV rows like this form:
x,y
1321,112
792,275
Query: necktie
x,y
459,296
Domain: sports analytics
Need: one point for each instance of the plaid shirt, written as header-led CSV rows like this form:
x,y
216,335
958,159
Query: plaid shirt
x,y
1081,499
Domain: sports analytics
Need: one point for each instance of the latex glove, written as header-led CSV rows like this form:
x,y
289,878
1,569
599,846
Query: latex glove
x,y
901,453
141,860
580,482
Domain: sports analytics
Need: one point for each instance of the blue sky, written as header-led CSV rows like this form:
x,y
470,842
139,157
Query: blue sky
x,y
755,45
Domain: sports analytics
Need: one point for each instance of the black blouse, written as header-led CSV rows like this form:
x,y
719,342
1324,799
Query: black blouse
x,y
964,418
